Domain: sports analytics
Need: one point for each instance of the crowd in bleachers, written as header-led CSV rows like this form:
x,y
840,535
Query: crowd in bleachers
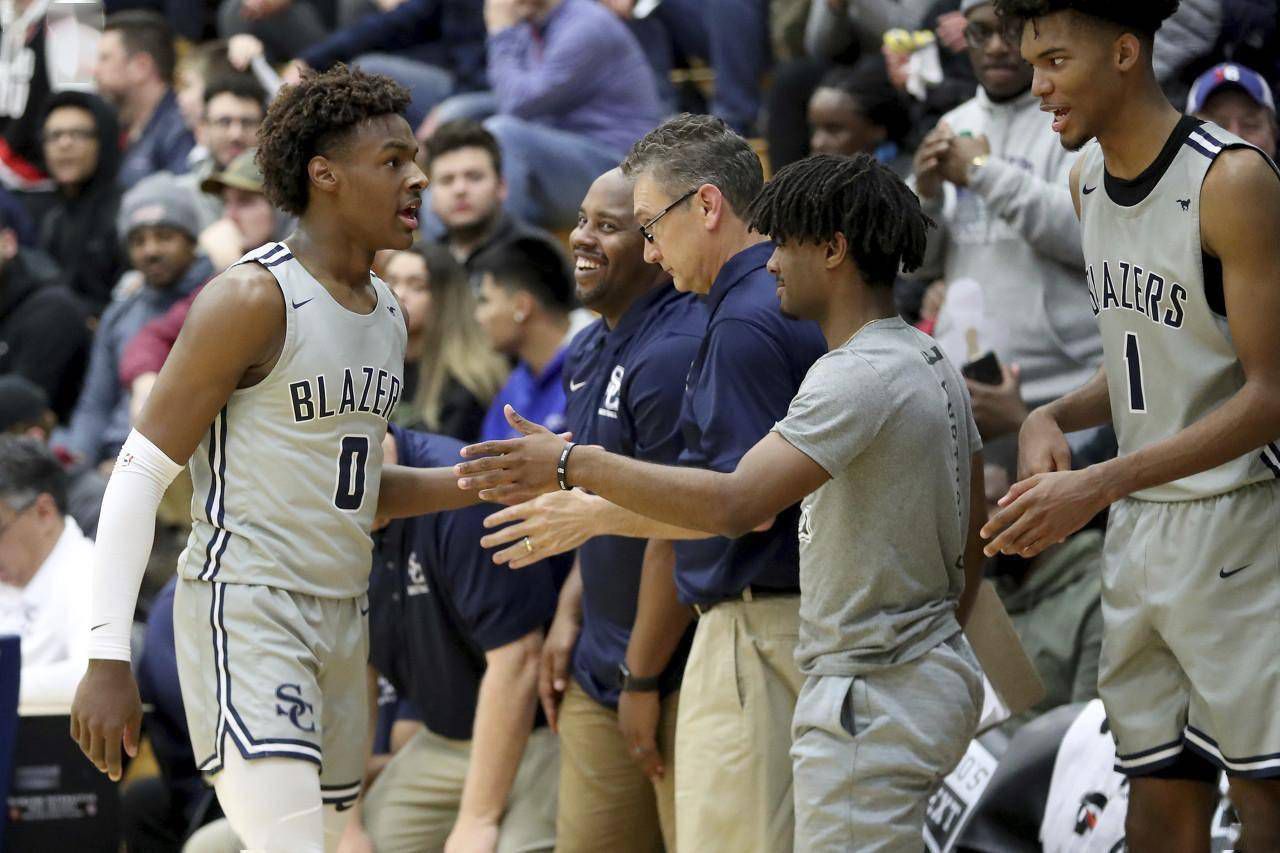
x,y
128,180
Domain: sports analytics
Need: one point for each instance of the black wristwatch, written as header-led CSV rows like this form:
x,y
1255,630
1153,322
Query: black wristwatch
x,y
634,684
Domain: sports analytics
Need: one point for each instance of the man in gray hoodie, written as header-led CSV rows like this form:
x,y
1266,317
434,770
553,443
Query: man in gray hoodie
x,y
158,224
994,178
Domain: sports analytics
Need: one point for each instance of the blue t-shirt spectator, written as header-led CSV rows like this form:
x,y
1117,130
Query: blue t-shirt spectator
x,y
437,602
625,387
540,398
750,365
164,145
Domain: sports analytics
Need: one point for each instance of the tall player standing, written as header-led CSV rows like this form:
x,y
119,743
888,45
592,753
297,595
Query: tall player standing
x,y
277,392
1180,223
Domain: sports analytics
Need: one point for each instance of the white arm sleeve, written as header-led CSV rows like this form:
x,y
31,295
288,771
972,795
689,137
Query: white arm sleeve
x,y
126,531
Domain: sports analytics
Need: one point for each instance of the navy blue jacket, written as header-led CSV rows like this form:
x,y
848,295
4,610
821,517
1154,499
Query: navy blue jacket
x,y
624,389
750,365
437,602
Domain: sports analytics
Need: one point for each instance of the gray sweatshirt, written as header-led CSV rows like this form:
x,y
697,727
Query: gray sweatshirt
x,y
1014,231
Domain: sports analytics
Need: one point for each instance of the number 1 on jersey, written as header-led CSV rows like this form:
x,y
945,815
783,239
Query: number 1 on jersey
x,y
1133,360
353,455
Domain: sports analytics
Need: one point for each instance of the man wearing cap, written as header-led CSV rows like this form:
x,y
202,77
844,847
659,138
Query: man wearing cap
x,y
993,176
248,220
158,224
1239,100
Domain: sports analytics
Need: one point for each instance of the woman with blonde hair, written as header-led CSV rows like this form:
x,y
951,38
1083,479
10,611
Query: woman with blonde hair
x,y
451,372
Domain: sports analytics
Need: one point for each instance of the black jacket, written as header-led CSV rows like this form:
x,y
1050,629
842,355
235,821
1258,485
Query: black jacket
x,y
80,230
43,331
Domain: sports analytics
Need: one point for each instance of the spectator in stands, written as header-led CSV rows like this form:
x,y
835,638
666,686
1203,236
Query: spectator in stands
x,y
451,372
1239,100
573,91
526,296
159,224
1184,41
45,567
288,27
461,641
81,144
467,190
135,73
993,175
24,410
617,714
857,110
203,62
44,334
44,49
1055,602
234,105
834,25
435,48
247,219
739,55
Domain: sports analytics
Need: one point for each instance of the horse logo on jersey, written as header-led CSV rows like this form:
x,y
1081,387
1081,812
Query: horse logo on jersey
x,y
1185,202
297,706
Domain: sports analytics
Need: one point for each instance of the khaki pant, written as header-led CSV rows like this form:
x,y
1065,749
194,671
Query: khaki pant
x,y
414,802
606,802
733,737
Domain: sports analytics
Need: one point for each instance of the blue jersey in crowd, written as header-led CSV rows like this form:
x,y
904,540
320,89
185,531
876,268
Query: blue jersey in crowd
x,y
624,388
748,368
437,602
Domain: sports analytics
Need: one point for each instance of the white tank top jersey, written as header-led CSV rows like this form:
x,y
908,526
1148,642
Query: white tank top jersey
x,y
1159,302
286,479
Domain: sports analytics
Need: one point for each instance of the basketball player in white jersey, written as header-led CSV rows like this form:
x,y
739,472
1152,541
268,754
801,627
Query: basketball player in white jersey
x,y
277,391
1181,230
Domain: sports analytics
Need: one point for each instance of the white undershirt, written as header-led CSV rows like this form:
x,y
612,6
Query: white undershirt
x,y
51,616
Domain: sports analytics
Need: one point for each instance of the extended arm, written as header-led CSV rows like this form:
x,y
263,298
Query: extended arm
x,y
407,492
504,718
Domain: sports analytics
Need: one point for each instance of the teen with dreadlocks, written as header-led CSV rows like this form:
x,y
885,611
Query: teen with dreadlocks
x,y
1179,221
278,392
881,446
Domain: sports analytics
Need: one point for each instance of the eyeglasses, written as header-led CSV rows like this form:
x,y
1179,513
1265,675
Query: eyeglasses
x,y
228,122
1010,32
647,228
74,134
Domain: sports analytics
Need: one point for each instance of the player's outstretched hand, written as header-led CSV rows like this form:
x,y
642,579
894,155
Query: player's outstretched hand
x,y
1042,511
514,470
1042,446
550,524
107,713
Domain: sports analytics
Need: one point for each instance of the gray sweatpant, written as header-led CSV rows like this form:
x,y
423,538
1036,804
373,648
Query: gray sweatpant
x,y
869,750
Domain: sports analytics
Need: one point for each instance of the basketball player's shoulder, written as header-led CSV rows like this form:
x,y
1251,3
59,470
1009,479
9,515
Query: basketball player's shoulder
x,y
1240,195
242,304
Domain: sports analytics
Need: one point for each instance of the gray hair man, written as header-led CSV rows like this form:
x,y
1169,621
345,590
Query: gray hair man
x,y
44,573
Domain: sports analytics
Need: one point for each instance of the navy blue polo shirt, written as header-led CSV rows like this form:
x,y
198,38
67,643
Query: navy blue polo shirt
x,y
437,602
749,366
623,389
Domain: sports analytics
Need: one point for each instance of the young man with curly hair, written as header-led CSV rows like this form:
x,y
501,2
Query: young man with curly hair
x,y
1179,221
277,392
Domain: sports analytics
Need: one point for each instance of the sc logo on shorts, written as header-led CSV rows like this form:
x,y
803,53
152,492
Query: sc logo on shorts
x,y
297,706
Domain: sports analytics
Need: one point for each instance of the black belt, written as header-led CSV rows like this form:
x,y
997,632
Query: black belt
x,y
748,594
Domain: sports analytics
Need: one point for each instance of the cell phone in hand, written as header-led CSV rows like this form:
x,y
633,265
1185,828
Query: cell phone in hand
x,y
985,370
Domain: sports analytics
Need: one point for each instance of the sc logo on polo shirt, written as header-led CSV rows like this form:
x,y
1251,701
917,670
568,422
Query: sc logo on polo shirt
x,y
612,394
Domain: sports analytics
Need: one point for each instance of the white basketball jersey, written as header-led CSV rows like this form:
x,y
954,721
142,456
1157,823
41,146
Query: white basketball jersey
x,y
286,480
1159,301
